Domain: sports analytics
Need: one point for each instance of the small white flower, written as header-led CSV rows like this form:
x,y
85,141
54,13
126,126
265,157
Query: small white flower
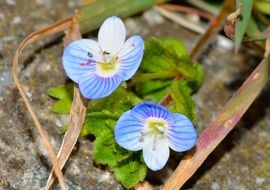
x,y
100,67
153,129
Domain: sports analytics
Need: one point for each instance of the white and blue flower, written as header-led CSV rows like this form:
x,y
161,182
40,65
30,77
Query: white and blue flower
x,y
153,129
100,67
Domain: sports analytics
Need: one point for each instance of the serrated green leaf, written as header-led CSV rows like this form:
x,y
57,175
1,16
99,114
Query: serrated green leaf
x,y
242,23
100,121
62,106
195,82
64,94
62,91
191,71
95,123
130,171
127,166
157,59
107,152
119,101
163,61
174,46
153,90
182,100
162,57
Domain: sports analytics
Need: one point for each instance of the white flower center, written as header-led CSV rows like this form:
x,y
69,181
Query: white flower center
x,y
155,126
110,65
156,129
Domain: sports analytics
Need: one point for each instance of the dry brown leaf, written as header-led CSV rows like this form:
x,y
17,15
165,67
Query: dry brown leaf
x,y
57,27
77,113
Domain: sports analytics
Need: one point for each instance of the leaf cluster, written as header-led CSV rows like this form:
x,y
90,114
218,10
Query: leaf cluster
x,y
163,61
100,121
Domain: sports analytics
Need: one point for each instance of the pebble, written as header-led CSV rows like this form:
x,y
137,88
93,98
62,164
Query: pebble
x,y
215,186
5,78
2,17
11,2
152,17
16,20
259,181
71,4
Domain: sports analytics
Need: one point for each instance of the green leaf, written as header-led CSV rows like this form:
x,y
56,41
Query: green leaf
x,y
127,166
119,101
182,100
157,59
242,23
191,71
153,90
62,106
62,91
263,6
95,122
163,61
105,150
100,121
131,171
64,95
174,46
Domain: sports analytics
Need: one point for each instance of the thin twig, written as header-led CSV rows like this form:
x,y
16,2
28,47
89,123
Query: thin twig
x,y
60,26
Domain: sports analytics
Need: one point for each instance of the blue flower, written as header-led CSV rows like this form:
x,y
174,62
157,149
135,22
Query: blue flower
x,y
153,129
100,67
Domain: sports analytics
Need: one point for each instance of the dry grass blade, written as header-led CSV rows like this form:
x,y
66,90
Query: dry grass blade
x,y
60,26
77,114
220,126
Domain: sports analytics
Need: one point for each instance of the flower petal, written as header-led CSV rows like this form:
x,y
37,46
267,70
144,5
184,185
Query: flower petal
x,y
92,86
128,132
145,110
112,35
182,134
78,56
155,151
131,56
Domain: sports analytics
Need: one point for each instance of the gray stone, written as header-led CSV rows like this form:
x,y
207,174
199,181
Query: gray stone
x,y
240,162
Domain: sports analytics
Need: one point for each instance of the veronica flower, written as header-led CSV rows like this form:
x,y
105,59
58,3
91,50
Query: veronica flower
x,y
100,67
153,129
